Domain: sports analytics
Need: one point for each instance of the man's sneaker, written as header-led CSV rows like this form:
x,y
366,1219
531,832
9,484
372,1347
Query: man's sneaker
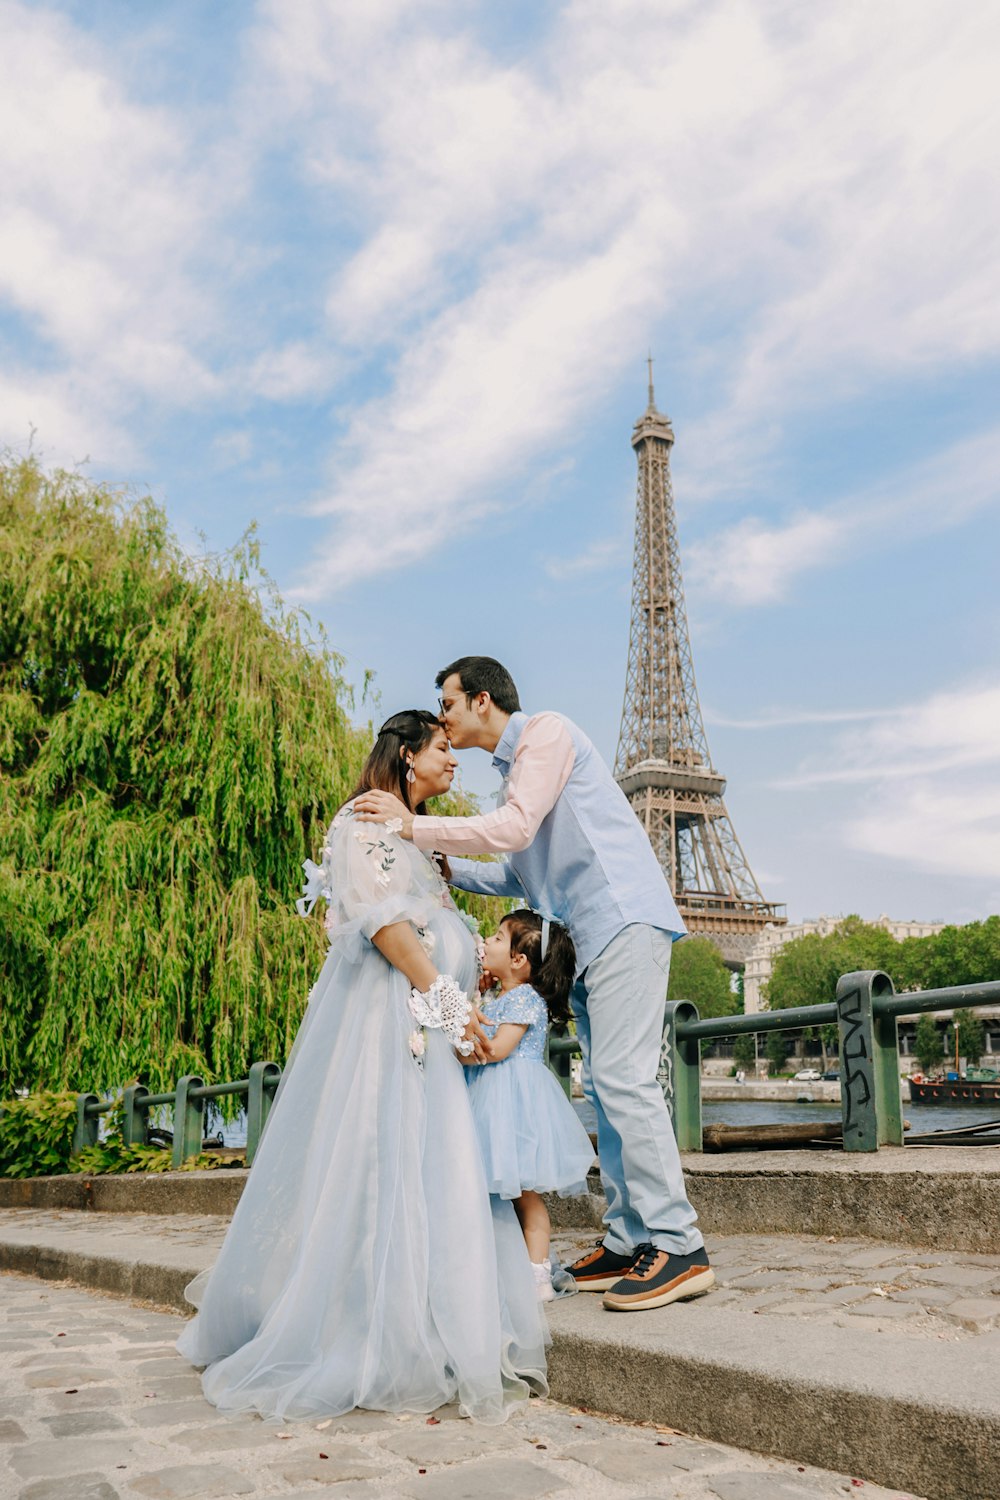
x,y
601,1268
658,1277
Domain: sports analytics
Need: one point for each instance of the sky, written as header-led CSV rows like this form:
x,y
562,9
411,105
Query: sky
x,y
381,276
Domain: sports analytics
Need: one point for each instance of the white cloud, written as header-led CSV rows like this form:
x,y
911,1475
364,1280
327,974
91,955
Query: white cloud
x,y
100,206
756,562
933,790
525,225
610,552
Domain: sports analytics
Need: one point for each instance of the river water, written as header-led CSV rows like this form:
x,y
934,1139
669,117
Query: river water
x,y
922,1117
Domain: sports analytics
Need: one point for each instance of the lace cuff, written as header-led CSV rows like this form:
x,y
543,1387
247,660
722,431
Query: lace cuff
x,y
444,1007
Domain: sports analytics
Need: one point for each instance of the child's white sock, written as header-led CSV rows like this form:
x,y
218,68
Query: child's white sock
x,y
543,1279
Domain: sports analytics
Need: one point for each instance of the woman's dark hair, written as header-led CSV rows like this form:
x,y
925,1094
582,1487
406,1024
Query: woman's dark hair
x,y
483,674
385,768
553,975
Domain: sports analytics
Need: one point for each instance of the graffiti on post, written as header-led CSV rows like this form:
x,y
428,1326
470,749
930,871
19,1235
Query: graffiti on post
x,y
859,1080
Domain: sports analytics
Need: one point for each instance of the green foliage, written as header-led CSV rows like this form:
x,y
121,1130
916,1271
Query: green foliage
x,y
776,1050
36,1134
928,1044
807,969
172,744
698,974
971,1038
744,1052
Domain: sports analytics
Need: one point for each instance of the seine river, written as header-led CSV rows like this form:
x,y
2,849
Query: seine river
x,y
922,1117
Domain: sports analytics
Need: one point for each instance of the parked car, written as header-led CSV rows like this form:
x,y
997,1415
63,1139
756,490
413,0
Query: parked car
x,y
832,1075
808,1075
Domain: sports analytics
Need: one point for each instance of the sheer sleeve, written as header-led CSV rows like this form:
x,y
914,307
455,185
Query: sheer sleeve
x,y
521,1006
370,877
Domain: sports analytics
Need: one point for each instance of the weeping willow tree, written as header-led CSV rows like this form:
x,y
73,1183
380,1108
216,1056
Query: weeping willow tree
x,y
172,745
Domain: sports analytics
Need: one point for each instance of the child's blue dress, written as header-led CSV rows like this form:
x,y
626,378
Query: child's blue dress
x,y
530,1134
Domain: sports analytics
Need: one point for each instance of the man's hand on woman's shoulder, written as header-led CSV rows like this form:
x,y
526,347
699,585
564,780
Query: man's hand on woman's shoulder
x,y
383,807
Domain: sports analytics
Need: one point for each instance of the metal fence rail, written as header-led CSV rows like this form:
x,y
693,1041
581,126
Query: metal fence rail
x,y
865,1010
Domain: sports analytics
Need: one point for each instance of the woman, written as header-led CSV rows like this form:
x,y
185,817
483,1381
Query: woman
x,y
366,1264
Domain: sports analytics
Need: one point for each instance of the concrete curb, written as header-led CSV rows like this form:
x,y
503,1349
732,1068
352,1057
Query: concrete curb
x,y
944,1198
842,1401
854,1401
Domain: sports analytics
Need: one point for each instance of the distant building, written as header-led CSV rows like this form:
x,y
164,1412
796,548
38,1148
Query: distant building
x,y
760,959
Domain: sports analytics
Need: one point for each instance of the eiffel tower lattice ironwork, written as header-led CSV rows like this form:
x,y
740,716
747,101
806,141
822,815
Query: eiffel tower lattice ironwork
x,y
663,764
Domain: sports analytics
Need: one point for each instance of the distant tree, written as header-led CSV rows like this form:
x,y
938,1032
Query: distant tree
x,y
698,974
928,1044
963,955
971,1037
776,1049
744,1052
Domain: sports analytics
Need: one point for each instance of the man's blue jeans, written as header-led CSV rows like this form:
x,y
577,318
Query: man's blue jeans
x,y
618,1005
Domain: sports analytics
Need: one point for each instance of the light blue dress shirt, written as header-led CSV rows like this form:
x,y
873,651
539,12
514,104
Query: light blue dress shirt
x,y
590,866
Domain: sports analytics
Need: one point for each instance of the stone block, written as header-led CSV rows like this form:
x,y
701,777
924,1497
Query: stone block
x,y
971,1276
643,1461
975,1312
225,1435
50,1377
447,1444
884,1307
79,1487
762,1486
192,1482
52,1459
155,1413
11,1432
82,1423
342,1462
81,1400
503,1480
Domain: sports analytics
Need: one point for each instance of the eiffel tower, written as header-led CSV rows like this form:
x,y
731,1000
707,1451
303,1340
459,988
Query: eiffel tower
x,y
663,763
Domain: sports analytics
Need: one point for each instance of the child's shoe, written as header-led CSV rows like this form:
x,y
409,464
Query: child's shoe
x,y
543,1280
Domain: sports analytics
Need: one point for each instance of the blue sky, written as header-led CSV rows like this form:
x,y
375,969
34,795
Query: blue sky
x,y
381,275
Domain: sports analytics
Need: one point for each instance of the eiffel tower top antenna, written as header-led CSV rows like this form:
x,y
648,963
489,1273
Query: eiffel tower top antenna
x,y
663,763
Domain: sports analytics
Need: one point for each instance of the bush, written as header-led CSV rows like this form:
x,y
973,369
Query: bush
x,y
36,1135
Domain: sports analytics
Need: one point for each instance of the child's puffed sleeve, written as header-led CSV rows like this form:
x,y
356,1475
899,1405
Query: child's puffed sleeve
x,y
521,1006
371,878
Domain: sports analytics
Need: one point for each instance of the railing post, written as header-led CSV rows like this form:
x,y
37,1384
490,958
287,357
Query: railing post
x,y
258,1103
86,1132
135,1118
869,1063
189,1120
679,1074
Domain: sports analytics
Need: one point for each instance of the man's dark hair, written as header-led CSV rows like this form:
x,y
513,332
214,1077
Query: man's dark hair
x,y
483,674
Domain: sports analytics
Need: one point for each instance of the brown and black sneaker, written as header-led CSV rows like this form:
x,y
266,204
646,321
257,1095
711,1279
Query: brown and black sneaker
x,y
658,1277
601,1268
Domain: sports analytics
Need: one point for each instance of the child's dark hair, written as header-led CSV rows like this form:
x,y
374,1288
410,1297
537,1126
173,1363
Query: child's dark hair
x,y
553,975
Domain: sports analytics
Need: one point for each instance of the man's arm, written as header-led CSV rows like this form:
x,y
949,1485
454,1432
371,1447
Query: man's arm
x,y
543,761
493,879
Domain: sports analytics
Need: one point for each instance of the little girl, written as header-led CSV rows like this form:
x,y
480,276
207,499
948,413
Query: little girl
x,y
532,1140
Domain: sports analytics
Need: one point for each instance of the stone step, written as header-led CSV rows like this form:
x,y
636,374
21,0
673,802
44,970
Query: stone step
x,y
879,1360
946,1198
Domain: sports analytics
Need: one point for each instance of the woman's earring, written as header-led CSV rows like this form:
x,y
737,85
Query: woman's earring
x,y
411,774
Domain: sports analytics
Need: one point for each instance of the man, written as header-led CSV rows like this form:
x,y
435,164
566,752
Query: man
x,y
577,854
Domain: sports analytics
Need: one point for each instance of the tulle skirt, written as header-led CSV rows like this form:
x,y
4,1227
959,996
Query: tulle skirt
x,y
530,1135
366,1264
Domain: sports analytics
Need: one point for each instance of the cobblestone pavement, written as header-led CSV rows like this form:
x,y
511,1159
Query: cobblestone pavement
x,y
95,1405
920,1293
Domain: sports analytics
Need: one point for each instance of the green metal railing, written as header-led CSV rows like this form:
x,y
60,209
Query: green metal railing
x,y
188,1100
865,1010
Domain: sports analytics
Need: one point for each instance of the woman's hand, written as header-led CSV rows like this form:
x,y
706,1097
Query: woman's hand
x,y
482,1049
378,807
